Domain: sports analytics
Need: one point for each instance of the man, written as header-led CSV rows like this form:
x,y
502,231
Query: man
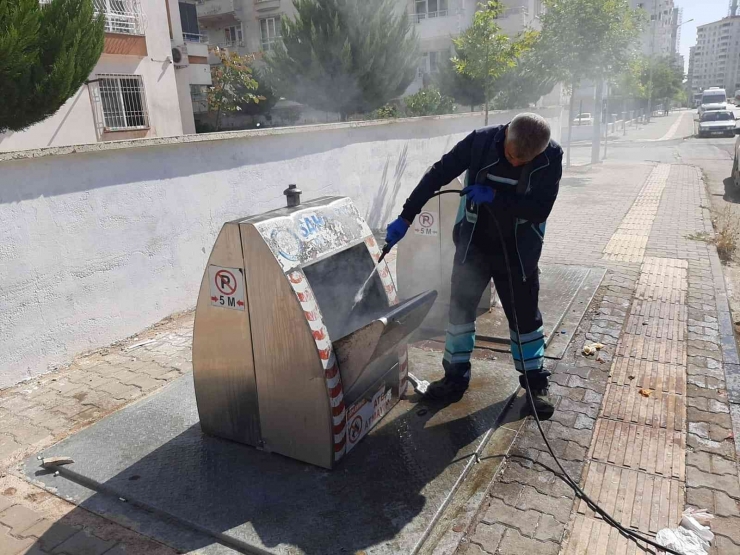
x,y
515,171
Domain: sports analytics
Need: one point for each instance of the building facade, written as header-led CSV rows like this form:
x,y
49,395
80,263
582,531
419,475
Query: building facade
x,y
715,59
252,26
140,86
660,36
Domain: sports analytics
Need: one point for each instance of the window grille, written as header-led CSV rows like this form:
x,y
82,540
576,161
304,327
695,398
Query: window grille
x,y
121,16
122,102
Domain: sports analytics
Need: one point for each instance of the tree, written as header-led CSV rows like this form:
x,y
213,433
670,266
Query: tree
x,y
428,102
523,85
488,52
346,56
587,40
666,82
46,54
232,84
266,93
466,90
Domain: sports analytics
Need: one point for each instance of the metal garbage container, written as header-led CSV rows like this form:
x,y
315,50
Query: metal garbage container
x,y
426,254
283,358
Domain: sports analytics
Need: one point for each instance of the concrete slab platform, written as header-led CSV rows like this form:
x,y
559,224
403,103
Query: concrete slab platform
x,y
385,497
565,293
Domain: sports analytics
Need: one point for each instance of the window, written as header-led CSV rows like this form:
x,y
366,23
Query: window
x,y
429,9
189,21
199,96
123,102
270,32
234,36
121,16
430,61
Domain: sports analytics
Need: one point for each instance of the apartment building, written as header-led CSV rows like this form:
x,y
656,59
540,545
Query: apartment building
x,y
715,59
251,26
140,86
437,22
661,34
244,26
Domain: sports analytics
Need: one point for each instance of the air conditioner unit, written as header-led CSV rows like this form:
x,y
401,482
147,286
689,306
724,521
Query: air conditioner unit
x,y
180,55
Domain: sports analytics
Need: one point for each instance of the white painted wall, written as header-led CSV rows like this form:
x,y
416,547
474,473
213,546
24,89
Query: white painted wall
x,y
101,243
74,122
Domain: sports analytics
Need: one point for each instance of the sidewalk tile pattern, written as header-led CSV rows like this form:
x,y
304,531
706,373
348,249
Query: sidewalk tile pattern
x,y
637,470
629,242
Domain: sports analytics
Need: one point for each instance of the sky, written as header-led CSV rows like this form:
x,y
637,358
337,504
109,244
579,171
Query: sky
x,y
702,11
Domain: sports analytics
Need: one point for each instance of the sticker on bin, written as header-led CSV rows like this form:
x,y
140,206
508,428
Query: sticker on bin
x,y
227,287
427,223
364,414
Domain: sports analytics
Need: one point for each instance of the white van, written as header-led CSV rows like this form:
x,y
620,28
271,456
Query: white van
x,y
713,98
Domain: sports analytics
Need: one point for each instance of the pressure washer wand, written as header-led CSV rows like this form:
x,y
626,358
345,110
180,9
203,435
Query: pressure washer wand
x,y
386,249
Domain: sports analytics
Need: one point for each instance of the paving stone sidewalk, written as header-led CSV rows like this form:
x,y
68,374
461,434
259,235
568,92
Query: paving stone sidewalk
x,y
528,509
661,379
42,411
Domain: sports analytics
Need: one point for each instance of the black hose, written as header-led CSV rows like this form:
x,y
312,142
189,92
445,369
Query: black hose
x,y
630,534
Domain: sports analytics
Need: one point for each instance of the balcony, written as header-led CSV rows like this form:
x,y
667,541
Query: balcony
x,y
194,37
266,5
123,17
419,17
435,24
217,9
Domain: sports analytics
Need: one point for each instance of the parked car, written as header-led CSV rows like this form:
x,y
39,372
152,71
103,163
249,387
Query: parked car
x,y
583,119
717,122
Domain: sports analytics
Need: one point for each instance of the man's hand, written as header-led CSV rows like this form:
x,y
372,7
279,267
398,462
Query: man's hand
x,y
479,194
395,232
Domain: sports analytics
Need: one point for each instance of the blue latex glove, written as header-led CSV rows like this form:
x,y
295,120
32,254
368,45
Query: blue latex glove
x,y
395,232
479,194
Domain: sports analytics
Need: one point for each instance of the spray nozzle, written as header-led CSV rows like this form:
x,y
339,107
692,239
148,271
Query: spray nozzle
x,y
386,249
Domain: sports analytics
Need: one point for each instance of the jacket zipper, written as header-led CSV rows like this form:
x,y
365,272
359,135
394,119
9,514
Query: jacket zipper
x,y
516,225
516,243
534,228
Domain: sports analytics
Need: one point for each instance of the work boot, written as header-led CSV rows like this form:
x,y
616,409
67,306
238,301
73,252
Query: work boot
x,y
537,383
446,389
543,405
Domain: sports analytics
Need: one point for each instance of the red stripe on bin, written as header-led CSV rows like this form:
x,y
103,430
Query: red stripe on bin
x,y
325,353
339,445
338,410
339,428
295,277
336,391
331,372
312,315
318,335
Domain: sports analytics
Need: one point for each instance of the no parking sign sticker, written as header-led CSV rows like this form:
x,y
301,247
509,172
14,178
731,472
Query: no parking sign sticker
x,y
427,223
227,287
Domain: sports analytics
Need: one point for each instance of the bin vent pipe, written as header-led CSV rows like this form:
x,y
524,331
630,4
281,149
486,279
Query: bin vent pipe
x,y
294,195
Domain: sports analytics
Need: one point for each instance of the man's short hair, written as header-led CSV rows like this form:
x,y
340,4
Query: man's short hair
x,y
530,133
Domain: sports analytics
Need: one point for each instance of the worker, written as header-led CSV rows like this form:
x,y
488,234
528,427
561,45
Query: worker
x,y
515,169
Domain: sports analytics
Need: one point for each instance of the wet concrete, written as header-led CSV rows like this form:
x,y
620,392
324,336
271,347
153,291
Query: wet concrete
x,y
385,497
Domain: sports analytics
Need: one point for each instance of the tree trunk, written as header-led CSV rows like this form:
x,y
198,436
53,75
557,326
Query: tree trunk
x,y
606,131
486,109
570,120
596,139
218,118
